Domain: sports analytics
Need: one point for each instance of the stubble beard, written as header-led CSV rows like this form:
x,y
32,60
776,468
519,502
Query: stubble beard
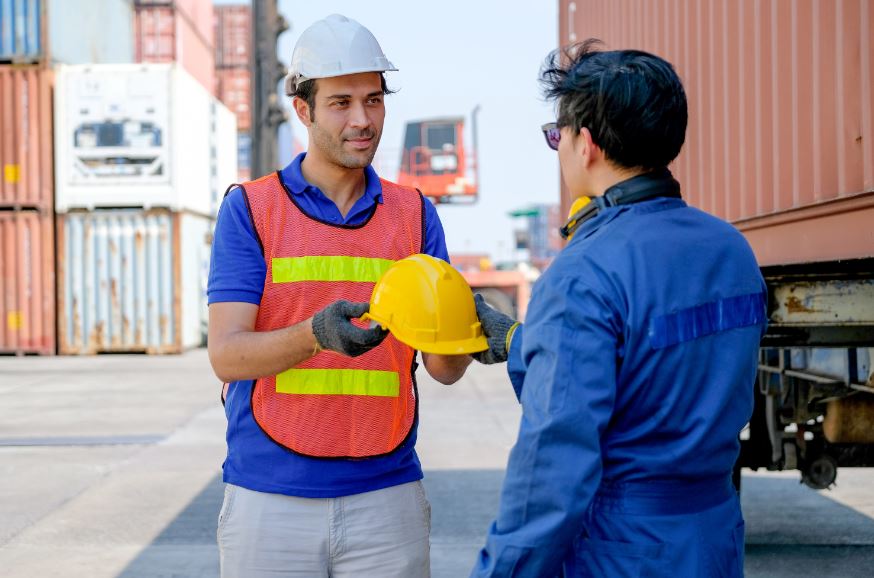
x,y
332,148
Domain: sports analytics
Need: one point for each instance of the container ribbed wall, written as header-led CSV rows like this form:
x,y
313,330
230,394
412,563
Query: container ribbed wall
x,y
132,281
780,138
27,282
26,137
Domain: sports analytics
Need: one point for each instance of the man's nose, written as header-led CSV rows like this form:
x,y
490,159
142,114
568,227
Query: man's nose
x,y
358,116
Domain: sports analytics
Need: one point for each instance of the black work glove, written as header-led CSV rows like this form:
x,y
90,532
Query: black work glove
x,y
334,330
496,326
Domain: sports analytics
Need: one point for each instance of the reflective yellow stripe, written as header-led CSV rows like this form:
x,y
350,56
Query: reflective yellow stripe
x,y
339,382
332,268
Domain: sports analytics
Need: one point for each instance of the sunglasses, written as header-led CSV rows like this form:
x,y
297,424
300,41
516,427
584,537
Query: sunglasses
x,y
552,134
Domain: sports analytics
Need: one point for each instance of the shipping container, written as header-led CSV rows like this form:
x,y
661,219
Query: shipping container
x,y
75,35
27,282
132,281
177,31
26,139
233,35
136,135
234,88
224,171
21,30
101,33
781,113
244,152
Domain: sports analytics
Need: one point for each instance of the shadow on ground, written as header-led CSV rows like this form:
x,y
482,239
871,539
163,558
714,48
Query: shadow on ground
x,y
791,530
794,531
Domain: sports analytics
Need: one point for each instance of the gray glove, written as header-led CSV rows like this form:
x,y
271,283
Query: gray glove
x,y
334,330
496,327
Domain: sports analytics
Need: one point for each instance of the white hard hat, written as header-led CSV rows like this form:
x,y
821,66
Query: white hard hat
x,y
334,46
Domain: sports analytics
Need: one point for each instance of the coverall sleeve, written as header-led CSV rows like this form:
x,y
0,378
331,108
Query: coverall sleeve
x,y
515,366
569,354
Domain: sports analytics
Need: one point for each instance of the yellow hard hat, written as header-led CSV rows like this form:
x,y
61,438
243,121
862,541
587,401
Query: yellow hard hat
x,y
428,305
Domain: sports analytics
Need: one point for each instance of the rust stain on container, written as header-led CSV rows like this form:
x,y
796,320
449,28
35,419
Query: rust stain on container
x,y
794,305
26,139
781,113
130,280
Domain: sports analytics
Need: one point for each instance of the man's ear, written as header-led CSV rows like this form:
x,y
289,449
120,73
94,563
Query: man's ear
x,y
587,148
302,110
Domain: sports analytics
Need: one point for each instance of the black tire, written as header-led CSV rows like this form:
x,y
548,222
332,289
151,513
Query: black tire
x,y
498,300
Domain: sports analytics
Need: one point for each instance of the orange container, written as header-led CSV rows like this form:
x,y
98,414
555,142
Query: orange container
x,y
781,113
233,36
177,31
234,89
26,137
27,282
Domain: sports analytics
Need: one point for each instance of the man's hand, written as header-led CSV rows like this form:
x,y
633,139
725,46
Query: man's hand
x,y
498,329
333,329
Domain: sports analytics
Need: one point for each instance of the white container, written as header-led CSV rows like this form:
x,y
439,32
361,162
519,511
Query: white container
x,y
132,135
131,280
224,140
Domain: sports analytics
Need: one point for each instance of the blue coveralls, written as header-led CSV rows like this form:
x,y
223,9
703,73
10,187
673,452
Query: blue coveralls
x,y
635,372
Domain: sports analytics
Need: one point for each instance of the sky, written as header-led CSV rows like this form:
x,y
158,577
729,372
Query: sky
x,y
453,55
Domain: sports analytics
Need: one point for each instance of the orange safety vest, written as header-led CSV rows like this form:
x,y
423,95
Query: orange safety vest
x,y
333,406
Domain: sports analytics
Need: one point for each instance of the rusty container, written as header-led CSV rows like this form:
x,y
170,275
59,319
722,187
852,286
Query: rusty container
x,y
234,89
132,281
27,283
781,113
177,31
233,35
26,137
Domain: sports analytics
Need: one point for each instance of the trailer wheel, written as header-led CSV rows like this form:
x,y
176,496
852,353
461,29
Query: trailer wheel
x,y
498,300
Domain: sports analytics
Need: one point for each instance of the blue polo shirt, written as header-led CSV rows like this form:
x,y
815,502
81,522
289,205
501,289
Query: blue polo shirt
x,y
237,274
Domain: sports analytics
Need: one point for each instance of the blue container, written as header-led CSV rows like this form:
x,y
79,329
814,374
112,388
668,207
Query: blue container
x,y
244,151
20,37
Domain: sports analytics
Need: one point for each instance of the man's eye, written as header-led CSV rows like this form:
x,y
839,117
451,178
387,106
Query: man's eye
x,y
375,100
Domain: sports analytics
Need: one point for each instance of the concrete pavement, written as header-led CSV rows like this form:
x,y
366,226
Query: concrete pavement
x,y
110,466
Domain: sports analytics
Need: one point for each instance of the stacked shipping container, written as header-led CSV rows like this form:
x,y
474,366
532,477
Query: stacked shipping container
x,y
34,36
233,35
26,231
142,151
177,31
149,138
61,31
27,272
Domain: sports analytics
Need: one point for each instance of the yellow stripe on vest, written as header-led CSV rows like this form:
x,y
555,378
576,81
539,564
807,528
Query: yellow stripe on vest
x,y
330,268
339,382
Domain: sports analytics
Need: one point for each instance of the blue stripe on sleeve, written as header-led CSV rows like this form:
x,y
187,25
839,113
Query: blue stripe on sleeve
x,y
702,320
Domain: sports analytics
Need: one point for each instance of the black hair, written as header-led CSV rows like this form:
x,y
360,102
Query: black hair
x,y
631,101
306,91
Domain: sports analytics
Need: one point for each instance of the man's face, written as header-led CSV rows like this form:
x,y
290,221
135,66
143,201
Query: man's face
x,y
348,120
572,167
